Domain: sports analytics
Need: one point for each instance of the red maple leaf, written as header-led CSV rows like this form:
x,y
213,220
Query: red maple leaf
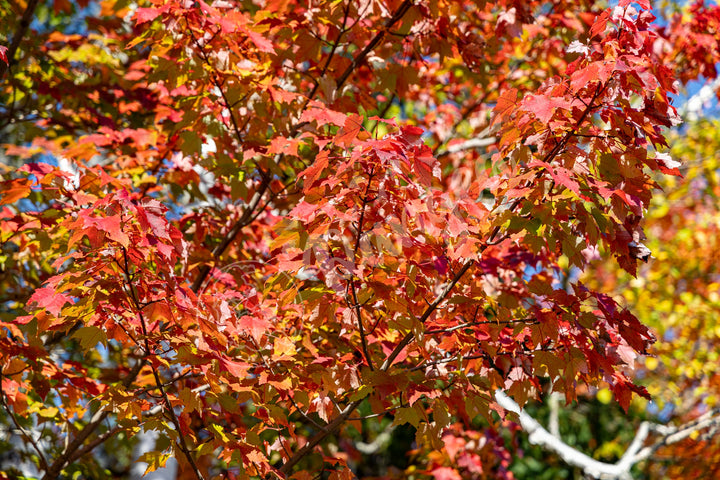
x,y
49,299
255,326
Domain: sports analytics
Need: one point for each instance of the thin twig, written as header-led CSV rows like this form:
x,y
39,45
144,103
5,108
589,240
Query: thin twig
x,y
100,439
356,304
530,321
335,44
244,220
448,360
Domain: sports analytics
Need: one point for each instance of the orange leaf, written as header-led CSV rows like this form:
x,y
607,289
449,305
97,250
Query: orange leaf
x,y
13,190
504,106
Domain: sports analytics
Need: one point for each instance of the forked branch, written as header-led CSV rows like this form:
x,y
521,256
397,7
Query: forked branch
x,y
635,453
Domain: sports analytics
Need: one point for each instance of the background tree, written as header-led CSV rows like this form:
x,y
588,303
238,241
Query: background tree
x,y
673,294
280,233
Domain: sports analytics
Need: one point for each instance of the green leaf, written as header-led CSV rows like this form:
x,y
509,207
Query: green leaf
x,y
361,393
154,460
191,142
406,415
90,336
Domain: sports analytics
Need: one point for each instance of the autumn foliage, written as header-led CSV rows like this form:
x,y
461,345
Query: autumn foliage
x,y
259,228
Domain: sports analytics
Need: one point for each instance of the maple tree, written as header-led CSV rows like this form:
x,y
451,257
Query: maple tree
x,y
267,230
677,295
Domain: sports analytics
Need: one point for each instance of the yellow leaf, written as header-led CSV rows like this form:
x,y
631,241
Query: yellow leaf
x,y
651,363
604,396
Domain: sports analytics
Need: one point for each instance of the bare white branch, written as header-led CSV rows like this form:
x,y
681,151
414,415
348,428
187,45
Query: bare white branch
x,y
636,451
480,142
670,435
693,108
539,436
554,420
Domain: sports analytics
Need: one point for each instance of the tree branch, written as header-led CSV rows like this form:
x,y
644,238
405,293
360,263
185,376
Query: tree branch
x,y
68,453
399,13
634,453
539,436
244,220
337,422
333,49
672,435
356,304
554,420
100,439
428,311
478,142
527,321
20,32
181,442
247,216
25,434
340,419
329,429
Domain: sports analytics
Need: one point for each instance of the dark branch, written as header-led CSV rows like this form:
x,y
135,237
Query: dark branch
x,y
20,32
